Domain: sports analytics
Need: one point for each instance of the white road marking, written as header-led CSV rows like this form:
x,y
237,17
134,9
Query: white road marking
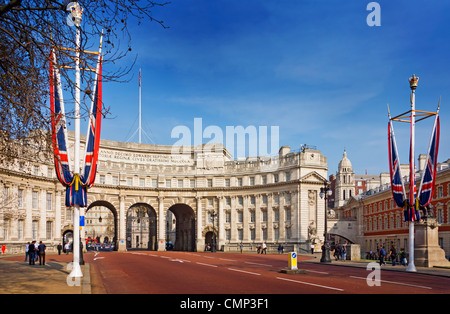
x,y
206,264
396,283
311,284
258,264
243,271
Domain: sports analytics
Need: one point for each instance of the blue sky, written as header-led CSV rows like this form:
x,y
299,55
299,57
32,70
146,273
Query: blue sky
x,y
313,68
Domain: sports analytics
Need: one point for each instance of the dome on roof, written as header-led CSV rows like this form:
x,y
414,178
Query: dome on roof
x,y
345,162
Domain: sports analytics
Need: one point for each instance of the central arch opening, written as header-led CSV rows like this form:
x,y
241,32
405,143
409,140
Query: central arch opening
x,y
141,227
101,226
184,217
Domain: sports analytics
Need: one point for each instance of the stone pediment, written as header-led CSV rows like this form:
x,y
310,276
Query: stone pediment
x,y
313,177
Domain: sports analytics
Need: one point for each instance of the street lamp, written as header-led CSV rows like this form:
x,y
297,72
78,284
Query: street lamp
x,y
213,248
324,192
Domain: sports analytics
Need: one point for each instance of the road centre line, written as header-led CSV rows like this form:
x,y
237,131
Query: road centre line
x,y
396,283
243,271
258,264
229,260
315,271
206,264
311,284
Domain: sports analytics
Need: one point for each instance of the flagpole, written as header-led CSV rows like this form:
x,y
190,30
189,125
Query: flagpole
x,y
140,127
411,267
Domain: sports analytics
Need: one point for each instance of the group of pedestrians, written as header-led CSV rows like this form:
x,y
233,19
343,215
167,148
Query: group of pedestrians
x,y
340,252
393,254
35,252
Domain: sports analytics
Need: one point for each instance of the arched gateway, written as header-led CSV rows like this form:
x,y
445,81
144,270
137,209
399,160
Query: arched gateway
x,y
155,195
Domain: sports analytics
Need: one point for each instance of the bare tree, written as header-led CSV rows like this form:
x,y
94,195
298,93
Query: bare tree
x,y
29,29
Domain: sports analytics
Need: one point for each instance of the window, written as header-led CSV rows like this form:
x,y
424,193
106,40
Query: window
x,y
102,179
115,180
228,217
192,183
288,214
276,215
264,199
34,200
287,198
142,182
264,215
20,229
239,181
154,183
240,201
49,201
276,199
130,181
240,234
240,216
252,200
180,183
275,178
228,201
252,180
288,176
210,183
252,234
210,202
34,229
168,183
227,183
264,179
48,229
20,198
252,216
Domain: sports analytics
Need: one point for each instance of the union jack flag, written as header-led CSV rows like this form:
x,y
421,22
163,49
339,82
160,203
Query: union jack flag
x,y
429,177
59,130
76,184
397,186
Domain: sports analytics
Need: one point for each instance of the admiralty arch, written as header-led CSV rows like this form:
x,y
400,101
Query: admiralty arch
x,y
154,195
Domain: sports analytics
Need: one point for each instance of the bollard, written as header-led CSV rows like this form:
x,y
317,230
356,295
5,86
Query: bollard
x,y
292,261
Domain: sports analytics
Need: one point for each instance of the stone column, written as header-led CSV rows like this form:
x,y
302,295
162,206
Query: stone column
x,y
427,252
221,224
200,241
122,243
28,234
161,225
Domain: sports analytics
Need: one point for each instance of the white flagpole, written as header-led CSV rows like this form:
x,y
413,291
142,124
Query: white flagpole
x,y
411,267
140,127
76,269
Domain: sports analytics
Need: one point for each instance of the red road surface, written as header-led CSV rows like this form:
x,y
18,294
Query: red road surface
x,y
230,273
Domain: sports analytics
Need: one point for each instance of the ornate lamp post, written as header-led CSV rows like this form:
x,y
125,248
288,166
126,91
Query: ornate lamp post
x,y
324,192
213,248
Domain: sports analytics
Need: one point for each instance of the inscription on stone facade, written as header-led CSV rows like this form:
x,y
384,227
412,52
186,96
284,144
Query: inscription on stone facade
x,y
144,158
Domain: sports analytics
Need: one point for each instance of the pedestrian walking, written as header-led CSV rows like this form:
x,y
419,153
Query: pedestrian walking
x,y
382,255
31,251
344,252
26,251
67,248
36,255
312,248
264,248
59,248
41,252
241,246
393,255
3,249
403,257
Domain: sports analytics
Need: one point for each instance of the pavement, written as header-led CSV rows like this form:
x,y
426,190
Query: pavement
x,y
18,277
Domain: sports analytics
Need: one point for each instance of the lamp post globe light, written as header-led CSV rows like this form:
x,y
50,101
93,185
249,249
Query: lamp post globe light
x,y
324,192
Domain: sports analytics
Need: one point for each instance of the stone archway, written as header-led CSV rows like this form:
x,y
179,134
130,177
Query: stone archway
x,y
185,227
141,228
106,221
